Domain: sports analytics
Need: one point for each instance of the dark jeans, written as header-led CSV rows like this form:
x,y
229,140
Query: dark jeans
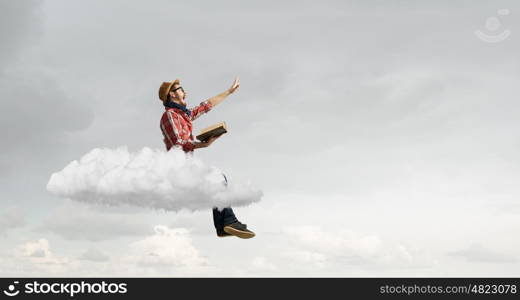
x,y
224,217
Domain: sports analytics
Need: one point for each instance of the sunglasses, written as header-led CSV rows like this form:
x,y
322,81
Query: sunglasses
x,y
179,88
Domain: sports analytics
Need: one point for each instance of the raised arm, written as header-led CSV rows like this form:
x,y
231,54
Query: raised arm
x,y
220,97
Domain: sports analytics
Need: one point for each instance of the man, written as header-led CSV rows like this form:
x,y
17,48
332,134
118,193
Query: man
x,y
176,126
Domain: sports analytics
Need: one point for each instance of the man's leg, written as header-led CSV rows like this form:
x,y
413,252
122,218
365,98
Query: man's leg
x,y
218,220
226,223
222,218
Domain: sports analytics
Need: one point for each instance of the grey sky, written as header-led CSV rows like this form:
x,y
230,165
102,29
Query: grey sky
x,y
383,119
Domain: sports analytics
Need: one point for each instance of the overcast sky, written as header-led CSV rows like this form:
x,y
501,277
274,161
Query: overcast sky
x,y
383,134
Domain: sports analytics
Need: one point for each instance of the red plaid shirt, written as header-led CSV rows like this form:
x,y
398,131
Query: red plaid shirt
x,y
177,128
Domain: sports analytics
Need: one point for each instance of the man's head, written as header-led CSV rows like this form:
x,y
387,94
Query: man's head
x,y
172,91
177,94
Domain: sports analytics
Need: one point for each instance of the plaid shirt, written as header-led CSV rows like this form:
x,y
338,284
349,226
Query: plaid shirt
x,y
177,128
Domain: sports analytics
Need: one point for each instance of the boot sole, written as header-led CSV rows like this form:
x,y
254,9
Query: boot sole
x,y
239,233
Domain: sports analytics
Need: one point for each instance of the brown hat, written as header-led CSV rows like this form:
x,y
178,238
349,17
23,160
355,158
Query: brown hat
x,y
165,89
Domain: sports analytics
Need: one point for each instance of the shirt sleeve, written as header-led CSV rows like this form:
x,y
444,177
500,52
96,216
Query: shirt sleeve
x,y
175,123
200,109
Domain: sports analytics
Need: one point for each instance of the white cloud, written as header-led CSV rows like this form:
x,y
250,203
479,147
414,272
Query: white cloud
x,y
313,244
169,251
158,179
167,248
39,248
36,258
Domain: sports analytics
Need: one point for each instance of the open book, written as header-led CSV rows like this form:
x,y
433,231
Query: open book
x,y
211,131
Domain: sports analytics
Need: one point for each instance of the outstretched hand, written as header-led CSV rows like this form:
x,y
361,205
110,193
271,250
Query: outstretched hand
x,y
235,86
